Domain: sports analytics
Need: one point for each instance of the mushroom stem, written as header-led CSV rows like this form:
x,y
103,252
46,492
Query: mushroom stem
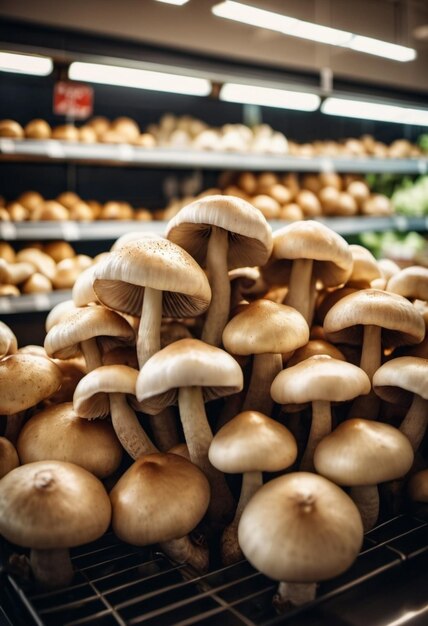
x,y
371,357
299,287
217,270
415,423
164,429
13,426
265,369
183,550
366,498
198,437
320,428
91,352
290,595
128,429
52,568
230,550
148,338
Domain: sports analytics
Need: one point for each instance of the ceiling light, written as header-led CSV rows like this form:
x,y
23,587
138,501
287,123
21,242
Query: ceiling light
x,y
140,79
293,27
381,112
265,96
25,64
176,2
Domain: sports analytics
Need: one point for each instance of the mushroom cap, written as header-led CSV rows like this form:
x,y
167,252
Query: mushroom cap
x,y
417,487
314,347
252,442
26,380
400,321
363,452
300,528
58,434
311,240
58,312
187,363
159,498
8,341
83,292
8,457
158,263
319,377
411,282
398,376
250,236
50,505
265,327
63,339
88,399
365,267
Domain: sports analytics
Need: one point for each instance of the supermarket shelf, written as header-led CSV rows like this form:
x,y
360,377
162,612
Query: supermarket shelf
x,y
111,230
37,302
125,154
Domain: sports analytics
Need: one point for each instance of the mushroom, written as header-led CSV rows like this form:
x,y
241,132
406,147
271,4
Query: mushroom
x,y
59,311
411,282
25,380
43,263
313,252
119,382
417,487
15,273
364,269
50,506
83,292
321,380
160,499
251,443
360,454
221,233
300,529
10,128
266,330
59,250
37,283
58,434
397,380
8,457
8,341
191,372
313,348
151,278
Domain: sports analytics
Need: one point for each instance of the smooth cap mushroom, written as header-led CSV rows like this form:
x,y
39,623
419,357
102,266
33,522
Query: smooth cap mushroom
x,y
8,457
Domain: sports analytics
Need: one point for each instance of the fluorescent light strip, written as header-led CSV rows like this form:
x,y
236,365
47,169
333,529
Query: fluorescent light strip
x,y
139,79
265,96
293,27
176,2
364,110
25,64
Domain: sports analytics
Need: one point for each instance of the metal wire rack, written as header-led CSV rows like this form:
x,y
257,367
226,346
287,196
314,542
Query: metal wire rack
x,y
121,584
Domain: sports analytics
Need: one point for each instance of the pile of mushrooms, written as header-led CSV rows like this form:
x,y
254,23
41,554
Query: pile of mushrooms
x,y
168,378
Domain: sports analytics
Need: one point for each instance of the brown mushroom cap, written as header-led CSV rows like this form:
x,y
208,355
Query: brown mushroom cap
x,y
59,434
365,267
26,380
10,128
398,378
363,452
104,379
187,363
50,505
313,348
300,528
265,327
161,497
8,341
41,261
411,282
37,129
252,442
8,457
120,278
250,237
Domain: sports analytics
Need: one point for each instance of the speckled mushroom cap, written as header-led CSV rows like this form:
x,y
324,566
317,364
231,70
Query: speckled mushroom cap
x,y
59,312
134,235
399,319
399,378
411,282
89,393
63,339
57,433
364,265
51,505
265,327
8,341
187,363
310,240
300,528
158,263
319,377
250,236
252,442
8,457
363,452
26,380
159,498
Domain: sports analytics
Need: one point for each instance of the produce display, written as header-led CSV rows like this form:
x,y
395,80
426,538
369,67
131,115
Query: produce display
x,y
219,350
411,198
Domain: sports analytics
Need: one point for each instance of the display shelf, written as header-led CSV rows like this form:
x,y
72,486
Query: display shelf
x,y
125,154
111,230
36,302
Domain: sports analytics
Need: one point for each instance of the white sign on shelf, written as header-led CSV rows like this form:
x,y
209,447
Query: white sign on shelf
x,y
70,231
42,302
7,230
7,146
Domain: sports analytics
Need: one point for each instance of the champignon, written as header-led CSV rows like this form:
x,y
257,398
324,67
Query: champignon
x,y
8,457
8,341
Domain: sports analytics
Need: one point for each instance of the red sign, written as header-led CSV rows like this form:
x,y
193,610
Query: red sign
x,y
73,100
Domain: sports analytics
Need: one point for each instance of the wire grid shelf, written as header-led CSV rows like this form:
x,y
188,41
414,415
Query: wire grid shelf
x,y
116,583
